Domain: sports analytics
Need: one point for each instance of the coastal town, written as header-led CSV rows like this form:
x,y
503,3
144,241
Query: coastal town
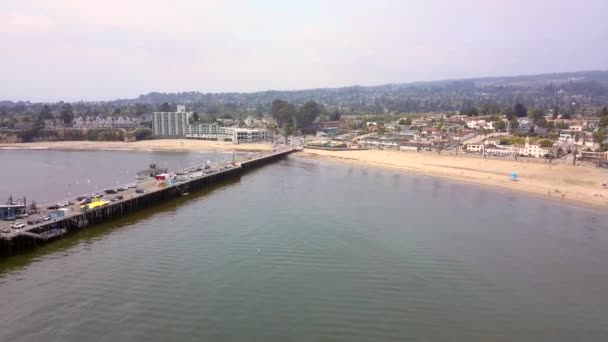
x,y
550,136
303,170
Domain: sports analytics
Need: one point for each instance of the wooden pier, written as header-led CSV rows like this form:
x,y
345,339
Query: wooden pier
x,y
35,235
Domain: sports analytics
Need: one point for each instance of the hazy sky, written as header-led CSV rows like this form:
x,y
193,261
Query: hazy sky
x,y
97,50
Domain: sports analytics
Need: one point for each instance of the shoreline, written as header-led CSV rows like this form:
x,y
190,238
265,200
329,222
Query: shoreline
x,y
564,184
158,145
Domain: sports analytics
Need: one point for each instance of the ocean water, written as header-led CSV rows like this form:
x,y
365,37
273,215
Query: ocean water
x,y
304,250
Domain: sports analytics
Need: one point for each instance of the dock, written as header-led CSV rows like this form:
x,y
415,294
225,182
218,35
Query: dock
x,y
74,220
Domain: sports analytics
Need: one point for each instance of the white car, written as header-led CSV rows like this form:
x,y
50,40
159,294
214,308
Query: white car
x,y
18,225
6,230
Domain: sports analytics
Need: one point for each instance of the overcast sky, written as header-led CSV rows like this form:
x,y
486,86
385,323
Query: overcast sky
x,y
99,50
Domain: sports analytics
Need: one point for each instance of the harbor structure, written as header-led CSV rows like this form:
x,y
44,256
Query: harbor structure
x,y
147,193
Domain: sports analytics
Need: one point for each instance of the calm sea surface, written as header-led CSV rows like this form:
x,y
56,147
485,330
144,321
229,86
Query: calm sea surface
x,y
304,250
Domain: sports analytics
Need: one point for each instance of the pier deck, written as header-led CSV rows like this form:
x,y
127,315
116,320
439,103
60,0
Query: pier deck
x,y
76,219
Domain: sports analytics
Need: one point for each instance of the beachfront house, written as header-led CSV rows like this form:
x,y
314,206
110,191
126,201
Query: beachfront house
x,y
534,150
475,148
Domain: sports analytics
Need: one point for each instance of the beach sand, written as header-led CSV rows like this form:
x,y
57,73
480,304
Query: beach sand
x,y
143,145
574,184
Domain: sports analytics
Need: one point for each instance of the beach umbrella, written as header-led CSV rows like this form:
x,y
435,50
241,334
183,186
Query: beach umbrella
x,y
513,176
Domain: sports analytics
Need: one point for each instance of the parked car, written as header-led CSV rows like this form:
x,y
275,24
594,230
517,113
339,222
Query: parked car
x,y
53,207
34,221
18,225
140,191
120,189
80,198
22,216
131,186
85,201
6,230
45,218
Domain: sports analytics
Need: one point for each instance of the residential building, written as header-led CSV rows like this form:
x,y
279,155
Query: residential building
x,y
475,148
247,135
173,124
566,137
109,122
576,128
201,131
533,150
220,133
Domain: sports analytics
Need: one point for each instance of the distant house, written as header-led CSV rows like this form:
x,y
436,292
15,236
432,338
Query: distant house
x,y
108,122
475,148
566,137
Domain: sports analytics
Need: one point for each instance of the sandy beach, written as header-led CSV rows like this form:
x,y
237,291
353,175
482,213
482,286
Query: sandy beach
x,y
143,145
574,184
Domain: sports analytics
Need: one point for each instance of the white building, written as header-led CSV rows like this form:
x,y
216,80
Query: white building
x,y
474,148
220,133
209,132
171,123
245,135
528,150
501,151
532,150
479,124
109,122
576,128
566,137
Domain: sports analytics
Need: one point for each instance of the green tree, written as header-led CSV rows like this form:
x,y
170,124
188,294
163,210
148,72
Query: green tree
x,y
599,137
545,143
514,124
307,113
195,116
555,112
500,126
406,121
471,111
519,110
142,133
165,107
603,114
45,113
336,115
485,109
67,114
508,113
283,112
259,111
538,117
